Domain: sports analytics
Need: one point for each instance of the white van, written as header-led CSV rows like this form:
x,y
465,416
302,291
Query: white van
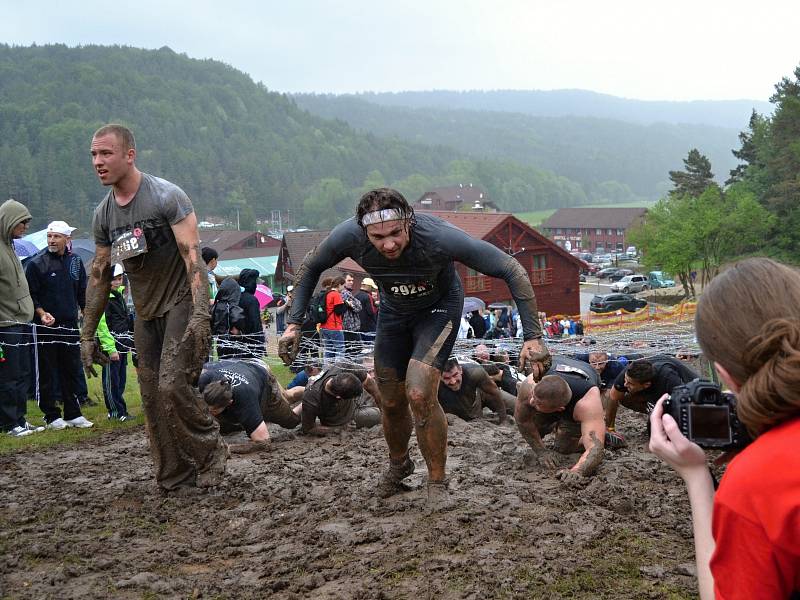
x,y
631,252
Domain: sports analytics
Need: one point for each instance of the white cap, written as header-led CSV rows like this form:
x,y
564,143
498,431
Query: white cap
x,y
60,227
118,270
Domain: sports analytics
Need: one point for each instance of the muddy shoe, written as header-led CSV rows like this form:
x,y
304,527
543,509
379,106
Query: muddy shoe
x,y
212,475
614,440
438,496
391,482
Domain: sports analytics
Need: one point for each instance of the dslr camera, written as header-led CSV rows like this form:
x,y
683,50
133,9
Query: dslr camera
x,y
706,415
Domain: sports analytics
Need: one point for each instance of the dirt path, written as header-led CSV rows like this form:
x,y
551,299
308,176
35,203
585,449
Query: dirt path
x,y
302,521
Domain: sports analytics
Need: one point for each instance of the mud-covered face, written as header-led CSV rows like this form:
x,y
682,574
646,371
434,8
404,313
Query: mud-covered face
x,y
598,360
452,378
481,353
56,242
390,238
111,161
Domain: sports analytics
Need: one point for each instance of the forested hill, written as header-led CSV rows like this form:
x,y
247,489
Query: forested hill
x,y
229,142
590,150
582,103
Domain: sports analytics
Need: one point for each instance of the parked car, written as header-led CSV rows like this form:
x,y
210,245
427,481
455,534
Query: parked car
x,y
619,274
631,252
582,278
612,302
607,272
657,280
631,284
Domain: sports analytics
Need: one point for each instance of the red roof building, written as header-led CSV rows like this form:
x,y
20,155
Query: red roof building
x,y
591,228
552,270
453,198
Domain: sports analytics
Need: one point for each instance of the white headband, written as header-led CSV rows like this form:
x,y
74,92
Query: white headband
x,y
379,216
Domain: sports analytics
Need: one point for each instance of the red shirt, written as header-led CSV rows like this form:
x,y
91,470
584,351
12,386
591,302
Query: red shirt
x,y
334,321
756,522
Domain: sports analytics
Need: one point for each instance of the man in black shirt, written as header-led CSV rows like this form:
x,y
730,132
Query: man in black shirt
x,y
412,260
335,399
244,395
465,389
644,381
566,401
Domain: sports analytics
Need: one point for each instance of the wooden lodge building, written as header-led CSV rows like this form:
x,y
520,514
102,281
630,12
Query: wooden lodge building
x,y
552,270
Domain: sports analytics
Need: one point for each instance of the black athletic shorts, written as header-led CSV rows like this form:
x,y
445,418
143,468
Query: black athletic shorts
x,y
427,336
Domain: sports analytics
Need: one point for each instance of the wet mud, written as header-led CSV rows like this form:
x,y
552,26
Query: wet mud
x,y
303,520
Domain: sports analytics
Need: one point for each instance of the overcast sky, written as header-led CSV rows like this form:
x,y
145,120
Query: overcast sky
x,y
645,49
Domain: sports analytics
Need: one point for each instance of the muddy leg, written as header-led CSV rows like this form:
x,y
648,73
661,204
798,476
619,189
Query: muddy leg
x,y
422,384
395,415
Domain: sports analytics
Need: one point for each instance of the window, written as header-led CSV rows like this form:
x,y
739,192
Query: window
x,y
598,232
476,282
559,231
620,231
540,274
609,231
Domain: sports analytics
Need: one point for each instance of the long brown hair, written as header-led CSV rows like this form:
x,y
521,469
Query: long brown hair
x,y
748,320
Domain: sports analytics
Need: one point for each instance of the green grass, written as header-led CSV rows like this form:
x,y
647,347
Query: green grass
x,y
98,414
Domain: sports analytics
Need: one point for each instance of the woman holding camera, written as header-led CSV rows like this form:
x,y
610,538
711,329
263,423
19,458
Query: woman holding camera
x,y
747,538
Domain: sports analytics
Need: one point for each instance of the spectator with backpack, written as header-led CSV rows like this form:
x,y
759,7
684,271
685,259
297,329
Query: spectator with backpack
x,y
327,308
227,319
252,328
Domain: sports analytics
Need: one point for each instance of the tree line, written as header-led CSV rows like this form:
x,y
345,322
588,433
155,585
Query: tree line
x,y
236,147
701,224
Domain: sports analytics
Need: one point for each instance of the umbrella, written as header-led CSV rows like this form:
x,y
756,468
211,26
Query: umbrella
x,y
263,295
472,303
23,248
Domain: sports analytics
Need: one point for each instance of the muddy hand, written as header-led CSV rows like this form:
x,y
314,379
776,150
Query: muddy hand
x,y
569,476
196,343
547,459
535,359
288,346
90,356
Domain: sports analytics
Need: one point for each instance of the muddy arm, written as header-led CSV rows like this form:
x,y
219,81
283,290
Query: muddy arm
x,y
614,398
589,412
188,240
493,397
97,291
523,415
372,388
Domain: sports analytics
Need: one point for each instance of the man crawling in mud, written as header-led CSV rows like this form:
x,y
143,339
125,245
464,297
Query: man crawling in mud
x,y
639,386
466,389
411,258
148,224
567,402
336,398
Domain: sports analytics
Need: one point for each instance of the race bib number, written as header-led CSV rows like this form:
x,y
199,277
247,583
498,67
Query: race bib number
x,y
417,289
128,245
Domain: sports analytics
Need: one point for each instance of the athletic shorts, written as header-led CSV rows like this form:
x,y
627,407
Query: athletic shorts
x,y
427,336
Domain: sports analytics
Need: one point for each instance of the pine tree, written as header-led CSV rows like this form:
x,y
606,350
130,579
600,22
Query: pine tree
x,y
695,179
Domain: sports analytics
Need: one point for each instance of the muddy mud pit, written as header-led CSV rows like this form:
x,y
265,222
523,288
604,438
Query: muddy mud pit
x,y
302,521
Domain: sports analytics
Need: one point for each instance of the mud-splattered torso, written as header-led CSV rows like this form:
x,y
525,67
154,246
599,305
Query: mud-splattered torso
x,y
423,274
